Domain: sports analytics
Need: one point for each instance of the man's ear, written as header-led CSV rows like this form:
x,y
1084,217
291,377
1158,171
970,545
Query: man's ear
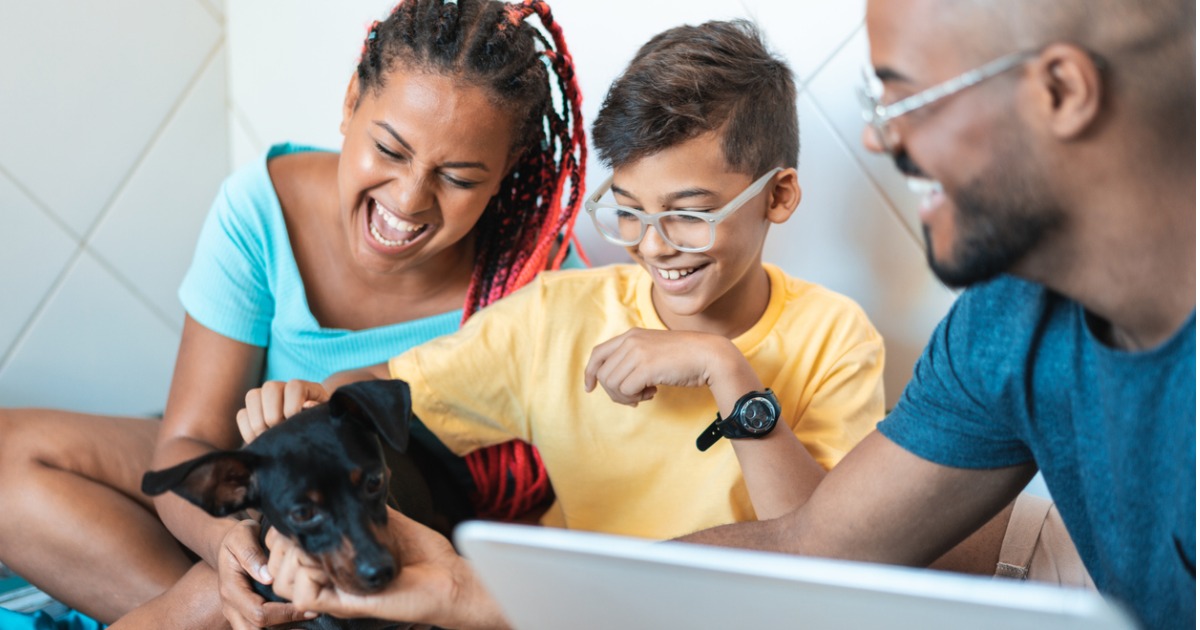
x,y
350,103
1070,89
785,196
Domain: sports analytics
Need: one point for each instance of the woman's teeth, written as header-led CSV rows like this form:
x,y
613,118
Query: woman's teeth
x,y
387,241
675,274
396,223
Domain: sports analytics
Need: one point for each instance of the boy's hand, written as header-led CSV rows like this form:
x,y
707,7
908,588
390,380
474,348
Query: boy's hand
x,y
274,402
631,365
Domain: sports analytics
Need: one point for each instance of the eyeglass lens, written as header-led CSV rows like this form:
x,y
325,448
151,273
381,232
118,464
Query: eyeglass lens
x,y
679,231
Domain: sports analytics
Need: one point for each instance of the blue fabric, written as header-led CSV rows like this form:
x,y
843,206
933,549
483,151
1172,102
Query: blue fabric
x,y
244,284
1015,373
10,620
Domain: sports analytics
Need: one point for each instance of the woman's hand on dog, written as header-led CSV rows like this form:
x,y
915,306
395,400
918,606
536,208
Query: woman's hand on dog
x,y
242,559
275,402
434,584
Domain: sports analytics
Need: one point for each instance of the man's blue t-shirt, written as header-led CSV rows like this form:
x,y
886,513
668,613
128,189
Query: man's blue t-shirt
x,y
1015,373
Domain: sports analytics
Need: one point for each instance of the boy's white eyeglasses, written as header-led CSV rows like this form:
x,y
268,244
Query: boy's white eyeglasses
x,y
684,230
878,115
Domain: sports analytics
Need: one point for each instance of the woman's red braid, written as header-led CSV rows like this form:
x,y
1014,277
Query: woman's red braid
x,y
510,478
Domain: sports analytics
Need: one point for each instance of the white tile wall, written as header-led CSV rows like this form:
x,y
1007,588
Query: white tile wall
x,y
115,139
855,231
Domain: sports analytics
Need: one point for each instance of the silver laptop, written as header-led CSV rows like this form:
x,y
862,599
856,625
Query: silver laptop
x,y
552,579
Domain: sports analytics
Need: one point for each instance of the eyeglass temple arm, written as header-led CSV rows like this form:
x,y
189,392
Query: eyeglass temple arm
x,y
950,86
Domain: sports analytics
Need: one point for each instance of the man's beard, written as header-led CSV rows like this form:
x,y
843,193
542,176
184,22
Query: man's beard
x,y
1001,217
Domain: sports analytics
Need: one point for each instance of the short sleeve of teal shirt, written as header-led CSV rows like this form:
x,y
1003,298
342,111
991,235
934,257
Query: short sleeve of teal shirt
x,y
244,284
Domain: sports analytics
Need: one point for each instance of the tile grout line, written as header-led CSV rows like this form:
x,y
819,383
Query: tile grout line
x,y
85,242
41,205
42,305
846,146
828,58
55,285
216,14
895,212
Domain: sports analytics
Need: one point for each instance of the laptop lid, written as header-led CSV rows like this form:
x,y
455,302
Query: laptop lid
x,y
551,579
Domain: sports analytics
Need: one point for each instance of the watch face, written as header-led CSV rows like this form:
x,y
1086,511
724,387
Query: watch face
x,y
758,415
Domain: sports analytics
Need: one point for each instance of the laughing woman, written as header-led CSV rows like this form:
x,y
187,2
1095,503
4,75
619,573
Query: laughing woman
x,y
450,191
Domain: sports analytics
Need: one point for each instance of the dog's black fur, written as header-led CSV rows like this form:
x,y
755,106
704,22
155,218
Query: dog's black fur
x,y
321,478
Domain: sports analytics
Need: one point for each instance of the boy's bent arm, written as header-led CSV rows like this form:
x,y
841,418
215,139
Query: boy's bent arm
x,y
882,504
780,473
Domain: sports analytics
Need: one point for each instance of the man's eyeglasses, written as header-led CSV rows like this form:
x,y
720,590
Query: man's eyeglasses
x,y
878,115
684,230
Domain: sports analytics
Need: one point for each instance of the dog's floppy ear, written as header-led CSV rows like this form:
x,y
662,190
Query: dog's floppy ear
x,y
218,482
386,407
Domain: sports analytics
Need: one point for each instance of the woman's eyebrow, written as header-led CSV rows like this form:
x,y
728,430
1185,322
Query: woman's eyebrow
x,y
408,147
479,165
392,132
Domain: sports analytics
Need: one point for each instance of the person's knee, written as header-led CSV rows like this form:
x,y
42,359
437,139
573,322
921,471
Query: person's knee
x,y
18,437
32,439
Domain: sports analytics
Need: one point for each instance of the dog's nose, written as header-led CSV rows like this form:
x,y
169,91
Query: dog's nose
x,y
376,575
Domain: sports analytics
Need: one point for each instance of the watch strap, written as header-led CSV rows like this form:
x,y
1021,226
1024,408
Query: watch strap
x,y
710,435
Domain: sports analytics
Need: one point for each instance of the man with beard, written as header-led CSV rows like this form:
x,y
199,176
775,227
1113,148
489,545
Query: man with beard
x,y
1055,146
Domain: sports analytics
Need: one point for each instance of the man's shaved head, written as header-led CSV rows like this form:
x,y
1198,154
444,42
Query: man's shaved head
x,y
1148,47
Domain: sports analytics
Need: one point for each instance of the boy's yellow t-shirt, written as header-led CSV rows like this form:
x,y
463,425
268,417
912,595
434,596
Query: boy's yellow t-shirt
x,y
515,370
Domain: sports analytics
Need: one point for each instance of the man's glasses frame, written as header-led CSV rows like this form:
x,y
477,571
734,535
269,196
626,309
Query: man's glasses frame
x,y
878,115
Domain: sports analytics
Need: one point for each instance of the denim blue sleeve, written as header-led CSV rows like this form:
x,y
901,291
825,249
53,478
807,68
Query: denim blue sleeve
x,y
227,289
957,410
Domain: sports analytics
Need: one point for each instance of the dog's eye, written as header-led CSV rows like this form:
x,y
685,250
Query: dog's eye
x,y
373,483
303,514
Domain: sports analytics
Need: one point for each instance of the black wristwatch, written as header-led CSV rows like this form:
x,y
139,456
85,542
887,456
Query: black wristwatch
x,y
754,416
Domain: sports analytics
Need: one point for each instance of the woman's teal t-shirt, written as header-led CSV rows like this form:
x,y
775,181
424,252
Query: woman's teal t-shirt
x,y
244,284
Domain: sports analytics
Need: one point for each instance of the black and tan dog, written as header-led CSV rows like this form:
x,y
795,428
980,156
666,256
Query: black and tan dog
x,y
322,479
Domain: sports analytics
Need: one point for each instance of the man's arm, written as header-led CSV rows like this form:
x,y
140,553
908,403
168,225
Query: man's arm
x,y
882,504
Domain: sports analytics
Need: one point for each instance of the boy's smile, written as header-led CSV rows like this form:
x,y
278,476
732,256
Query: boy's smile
x,y
723,290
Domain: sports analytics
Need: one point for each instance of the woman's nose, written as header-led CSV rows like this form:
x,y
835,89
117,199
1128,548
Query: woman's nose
x,y
412,192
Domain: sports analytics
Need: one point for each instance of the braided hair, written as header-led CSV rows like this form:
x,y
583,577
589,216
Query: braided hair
x,y
526,225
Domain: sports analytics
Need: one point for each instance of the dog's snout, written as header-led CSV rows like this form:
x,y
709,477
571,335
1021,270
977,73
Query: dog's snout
x,y
375,575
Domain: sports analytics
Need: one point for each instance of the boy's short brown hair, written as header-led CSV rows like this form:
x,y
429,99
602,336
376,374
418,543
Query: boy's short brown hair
x,y
691,80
